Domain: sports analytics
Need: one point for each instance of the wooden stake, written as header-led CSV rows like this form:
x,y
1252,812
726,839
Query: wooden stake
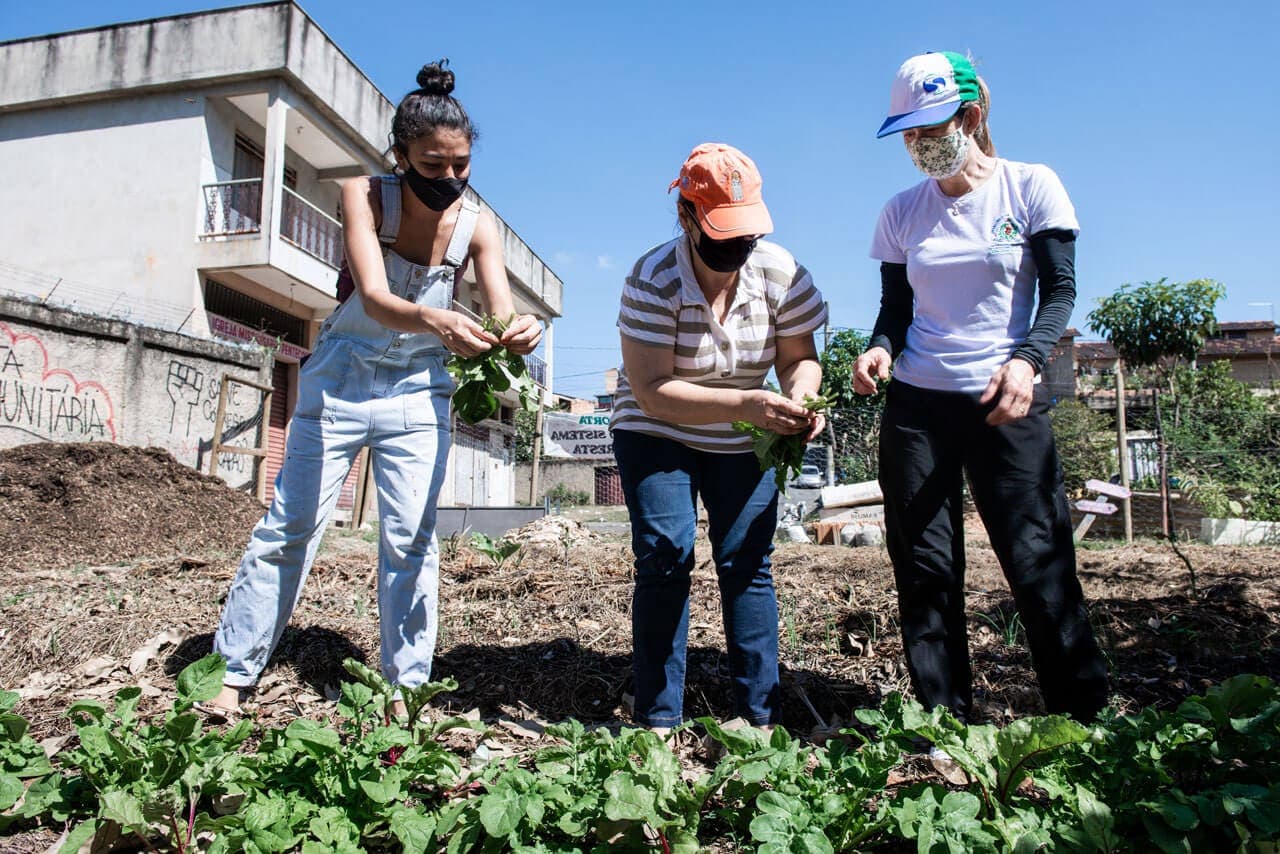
x,y
537,454
1122,444
360,505
217,428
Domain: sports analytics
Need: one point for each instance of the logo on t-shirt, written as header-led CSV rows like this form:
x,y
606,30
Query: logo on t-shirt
x,y
1006,236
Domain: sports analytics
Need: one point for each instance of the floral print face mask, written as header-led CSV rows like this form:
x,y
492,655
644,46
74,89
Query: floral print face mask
x,y
940,156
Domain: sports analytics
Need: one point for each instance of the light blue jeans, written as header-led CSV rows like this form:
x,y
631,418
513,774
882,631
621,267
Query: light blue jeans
x,y
351,395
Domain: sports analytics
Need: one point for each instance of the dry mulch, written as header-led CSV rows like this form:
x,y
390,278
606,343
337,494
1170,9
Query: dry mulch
x,y
546,634
118,560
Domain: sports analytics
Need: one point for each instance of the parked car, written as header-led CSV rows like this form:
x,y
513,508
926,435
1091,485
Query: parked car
x,y
810,477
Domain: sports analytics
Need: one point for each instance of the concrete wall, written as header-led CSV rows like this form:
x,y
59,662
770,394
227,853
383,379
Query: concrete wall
x,y
66,377
249,43
1254,370
577,475
107,193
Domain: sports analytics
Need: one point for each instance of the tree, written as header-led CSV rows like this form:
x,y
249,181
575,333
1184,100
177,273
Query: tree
x,y
1155,327
853,421
1158,324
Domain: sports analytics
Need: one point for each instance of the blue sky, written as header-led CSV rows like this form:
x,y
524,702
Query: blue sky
x,y
1159,117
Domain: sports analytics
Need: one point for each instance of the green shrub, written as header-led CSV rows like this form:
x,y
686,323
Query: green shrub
x,y
1086,444
562,494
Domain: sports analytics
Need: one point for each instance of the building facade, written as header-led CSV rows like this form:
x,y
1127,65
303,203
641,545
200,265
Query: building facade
x,y
1250,347
184,173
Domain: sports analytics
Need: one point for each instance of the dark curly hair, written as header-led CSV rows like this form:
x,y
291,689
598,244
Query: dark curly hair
x,y
430,106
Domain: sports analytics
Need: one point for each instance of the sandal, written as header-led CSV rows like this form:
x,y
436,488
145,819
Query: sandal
x,y
218,714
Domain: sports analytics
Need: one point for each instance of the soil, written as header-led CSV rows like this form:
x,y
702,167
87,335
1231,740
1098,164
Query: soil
x,y
118,561
96,503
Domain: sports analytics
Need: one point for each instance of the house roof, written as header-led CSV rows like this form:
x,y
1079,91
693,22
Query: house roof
x,y
1230,325
1215,347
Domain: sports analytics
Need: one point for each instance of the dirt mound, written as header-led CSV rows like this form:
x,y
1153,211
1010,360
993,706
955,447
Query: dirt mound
x,y
551,536
98,503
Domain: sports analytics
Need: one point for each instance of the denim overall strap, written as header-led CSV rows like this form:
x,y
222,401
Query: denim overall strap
x,y
390,227
456,254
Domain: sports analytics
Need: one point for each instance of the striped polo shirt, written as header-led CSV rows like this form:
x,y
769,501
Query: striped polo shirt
x,y
663,306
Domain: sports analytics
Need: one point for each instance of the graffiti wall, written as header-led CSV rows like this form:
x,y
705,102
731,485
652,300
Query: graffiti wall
x,y
43,399
70,378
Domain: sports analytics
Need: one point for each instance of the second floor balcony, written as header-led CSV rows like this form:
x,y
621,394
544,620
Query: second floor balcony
x,y
234,208
537,369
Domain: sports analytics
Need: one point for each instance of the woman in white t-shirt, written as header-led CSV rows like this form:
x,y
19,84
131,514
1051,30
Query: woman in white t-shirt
x,y
963,256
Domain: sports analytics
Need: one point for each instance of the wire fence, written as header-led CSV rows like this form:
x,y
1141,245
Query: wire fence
x,y
58,292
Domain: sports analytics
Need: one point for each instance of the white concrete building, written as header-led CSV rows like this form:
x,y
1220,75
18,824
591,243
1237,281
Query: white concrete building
x,y
184,173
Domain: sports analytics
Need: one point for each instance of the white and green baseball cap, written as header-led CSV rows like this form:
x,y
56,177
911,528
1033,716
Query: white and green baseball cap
x,y
928,90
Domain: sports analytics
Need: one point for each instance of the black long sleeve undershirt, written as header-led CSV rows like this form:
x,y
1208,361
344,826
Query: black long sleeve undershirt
x,y
897,306
1054,252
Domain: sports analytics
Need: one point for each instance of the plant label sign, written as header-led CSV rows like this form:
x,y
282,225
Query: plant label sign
x,y
1102,487
576,437
1102,508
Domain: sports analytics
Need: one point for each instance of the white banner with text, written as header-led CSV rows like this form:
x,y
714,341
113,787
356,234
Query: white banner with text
x,y
576,437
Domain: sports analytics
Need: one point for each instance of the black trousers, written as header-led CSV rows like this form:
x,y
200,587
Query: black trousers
x,y
928,441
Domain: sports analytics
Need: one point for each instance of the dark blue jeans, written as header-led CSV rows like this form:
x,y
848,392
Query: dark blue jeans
x,y
661,479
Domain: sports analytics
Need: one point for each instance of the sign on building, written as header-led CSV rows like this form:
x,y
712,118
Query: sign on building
x,y
576,437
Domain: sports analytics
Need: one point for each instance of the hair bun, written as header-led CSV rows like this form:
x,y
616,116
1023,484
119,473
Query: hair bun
x,y
436,78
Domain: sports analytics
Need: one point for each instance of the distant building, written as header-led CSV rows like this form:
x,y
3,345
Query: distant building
x,y
183,173
1059,374
1251,347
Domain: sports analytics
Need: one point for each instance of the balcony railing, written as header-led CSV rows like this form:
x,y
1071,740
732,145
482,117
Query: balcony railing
x,y
232,207
537,369
311,229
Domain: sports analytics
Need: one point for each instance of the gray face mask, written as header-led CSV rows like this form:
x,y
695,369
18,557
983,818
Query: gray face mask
x,y
940,156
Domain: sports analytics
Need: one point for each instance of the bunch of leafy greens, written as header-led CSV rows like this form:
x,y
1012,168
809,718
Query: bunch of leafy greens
x,y
483,377
784,454
1202,777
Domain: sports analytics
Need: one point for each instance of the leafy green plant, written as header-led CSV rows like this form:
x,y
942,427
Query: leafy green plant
x,y
1202,777
21,758
794,797
783,454
1008,627
497,550
145,779
482,377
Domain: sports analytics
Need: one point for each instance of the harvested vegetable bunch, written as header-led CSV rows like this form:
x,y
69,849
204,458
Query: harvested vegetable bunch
x,y
784,454
481,378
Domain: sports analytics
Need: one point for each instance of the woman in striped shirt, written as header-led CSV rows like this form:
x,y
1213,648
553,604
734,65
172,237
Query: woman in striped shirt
x,y
704,318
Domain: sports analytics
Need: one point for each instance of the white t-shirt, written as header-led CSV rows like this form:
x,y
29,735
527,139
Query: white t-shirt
x,y
971,270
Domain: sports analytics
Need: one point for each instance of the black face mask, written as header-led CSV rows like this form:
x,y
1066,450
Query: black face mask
x,y
724,256
435,193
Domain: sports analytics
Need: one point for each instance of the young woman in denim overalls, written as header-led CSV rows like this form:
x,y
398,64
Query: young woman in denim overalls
x,y
377,379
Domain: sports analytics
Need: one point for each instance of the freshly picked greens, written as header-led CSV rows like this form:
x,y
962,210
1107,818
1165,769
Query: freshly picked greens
x,y
784,454
481,378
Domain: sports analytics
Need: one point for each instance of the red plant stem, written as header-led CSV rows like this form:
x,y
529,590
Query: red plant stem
x,y
177,835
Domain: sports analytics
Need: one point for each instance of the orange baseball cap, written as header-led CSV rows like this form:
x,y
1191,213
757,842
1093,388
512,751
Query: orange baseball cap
x,y
724,186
